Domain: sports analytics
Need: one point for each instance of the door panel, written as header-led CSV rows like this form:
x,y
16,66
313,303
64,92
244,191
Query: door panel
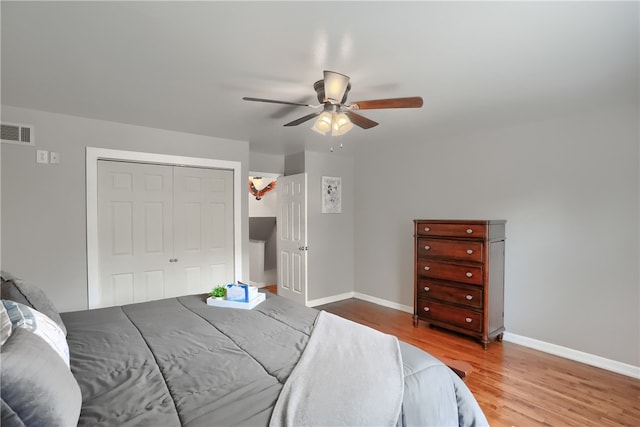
x,y
134,228
292,237
203,209
154,289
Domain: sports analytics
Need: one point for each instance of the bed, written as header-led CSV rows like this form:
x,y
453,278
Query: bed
x,y
180,362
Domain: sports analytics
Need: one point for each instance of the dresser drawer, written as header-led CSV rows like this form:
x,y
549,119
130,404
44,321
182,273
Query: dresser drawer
x,y
451,230
470,296
459,249
455,316
447,271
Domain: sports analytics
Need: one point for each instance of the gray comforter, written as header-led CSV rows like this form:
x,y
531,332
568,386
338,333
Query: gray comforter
x,y
180,362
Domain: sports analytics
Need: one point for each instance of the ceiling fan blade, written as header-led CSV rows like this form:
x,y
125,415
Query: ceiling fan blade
x,y
410,102
303,119
273,101
361,121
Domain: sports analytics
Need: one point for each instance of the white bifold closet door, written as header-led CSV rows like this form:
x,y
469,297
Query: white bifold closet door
x,y
163,231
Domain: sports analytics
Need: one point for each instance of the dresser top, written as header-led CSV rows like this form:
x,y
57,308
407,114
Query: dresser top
x,y
463,221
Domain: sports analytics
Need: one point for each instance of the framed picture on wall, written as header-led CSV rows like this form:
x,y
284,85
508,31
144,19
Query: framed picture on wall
x,y
331,194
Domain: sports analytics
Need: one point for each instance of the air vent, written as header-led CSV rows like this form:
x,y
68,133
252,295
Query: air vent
x,y
16,134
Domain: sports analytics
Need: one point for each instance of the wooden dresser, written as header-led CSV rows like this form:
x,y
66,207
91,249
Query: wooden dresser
x,y
459,276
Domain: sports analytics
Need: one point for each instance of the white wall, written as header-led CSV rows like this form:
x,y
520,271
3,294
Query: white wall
x,y
43,206
569,189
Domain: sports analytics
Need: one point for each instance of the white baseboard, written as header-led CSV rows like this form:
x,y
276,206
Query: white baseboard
x,y
364,297
329,300
383,302
557,350
576,355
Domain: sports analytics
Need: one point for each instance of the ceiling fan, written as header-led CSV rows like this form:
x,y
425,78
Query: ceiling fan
x,y
337,115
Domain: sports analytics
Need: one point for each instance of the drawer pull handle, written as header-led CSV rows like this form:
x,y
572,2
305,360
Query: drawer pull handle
x,y
469,297
427,229
469,274
469,231
426,267
426,309
426,248
426,289
469,251
468,320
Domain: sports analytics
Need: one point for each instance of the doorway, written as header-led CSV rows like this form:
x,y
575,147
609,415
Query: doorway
x,y
263,193
278,233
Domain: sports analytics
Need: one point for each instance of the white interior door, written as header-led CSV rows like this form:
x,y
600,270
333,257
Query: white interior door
x,y
163,231
203,229
292,237
135,217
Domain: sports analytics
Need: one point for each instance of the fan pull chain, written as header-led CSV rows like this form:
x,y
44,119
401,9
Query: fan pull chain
x,y
341,145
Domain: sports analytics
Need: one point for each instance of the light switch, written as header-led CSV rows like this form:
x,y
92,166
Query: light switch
x,y
54,157
42,156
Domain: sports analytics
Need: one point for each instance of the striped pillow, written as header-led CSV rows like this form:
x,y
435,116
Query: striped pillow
x,y
5,325
22,316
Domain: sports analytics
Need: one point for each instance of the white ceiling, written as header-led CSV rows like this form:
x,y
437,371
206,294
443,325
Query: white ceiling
x,y
186,65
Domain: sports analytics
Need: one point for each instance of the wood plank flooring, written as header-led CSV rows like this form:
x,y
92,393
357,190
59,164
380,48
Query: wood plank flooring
x,y
515,385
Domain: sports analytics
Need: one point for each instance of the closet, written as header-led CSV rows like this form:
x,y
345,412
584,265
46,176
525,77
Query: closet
x,y
163,231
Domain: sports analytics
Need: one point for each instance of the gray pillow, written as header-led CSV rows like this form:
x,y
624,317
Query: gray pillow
x,y
17,290
38,389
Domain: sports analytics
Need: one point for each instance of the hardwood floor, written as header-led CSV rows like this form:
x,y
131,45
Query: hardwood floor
x,y
515,385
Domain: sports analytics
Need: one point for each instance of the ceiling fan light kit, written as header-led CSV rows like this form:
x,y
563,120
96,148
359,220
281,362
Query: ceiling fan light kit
x,y
332,119
338,116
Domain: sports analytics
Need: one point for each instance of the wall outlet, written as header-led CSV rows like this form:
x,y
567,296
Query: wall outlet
x,y
54,157
42,156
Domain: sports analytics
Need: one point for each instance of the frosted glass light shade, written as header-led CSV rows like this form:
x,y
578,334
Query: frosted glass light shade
x,y
341,124
335,84
323,123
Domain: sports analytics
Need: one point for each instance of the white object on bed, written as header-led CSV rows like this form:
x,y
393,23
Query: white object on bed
x,y
236,304
22,316
5,327
348,375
